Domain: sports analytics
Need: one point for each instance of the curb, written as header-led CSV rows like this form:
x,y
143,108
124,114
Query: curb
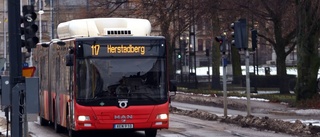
x,y
283,113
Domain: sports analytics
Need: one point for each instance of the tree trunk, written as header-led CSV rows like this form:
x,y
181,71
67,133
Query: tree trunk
x,y
170,62
216,61
308,65
308,59
282,72
236,66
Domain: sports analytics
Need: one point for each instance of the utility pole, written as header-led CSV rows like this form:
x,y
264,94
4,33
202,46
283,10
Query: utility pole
x,y
223,49
4,37
52,19
17,39
240,40
15,67
192,52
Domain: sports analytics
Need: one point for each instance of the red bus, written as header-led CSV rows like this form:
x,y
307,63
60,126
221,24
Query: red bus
x,y
115,81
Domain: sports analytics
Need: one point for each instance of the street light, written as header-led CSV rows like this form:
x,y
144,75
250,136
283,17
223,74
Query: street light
x,y
40,12
184,45
184,50
58,41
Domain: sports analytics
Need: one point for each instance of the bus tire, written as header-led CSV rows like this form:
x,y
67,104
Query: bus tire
x,y
57,127
151,132
72,133
43,122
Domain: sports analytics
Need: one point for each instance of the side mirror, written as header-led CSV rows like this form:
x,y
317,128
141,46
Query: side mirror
x,y
173,85
172,89
172,93
69,60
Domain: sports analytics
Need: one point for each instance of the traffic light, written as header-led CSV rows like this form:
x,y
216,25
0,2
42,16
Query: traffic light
x,y
29,29
236,35
244,33
240,34
179,56
222,41
254,39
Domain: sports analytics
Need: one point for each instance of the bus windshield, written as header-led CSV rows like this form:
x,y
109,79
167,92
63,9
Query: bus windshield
x,y
121,78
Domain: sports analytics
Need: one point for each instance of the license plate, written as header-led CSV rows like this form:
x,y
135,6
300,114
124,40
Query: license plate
x,y
123,126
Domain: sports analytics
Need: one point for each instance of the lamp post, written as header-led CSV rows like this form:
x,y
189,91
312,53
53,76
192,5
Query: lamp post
x,y
48,44
181,65
40,12
4,37
184,52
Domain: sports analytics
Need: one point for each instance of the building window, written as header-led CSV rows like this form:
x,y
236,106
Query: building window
x,y
208,44
44,26
199,25
200,45
208,26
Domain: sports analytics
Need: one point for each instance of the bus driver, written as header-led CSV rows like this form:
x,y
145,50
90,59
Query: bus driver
x,y
122,90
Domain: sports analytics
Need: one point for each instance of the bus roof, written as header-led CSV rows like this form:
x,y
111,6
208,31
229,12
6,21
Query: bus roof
x,y
92,27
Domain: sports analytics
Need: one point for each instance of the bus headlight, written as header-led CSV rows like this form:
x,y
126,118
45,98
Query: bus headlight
x,y
83,118
162,116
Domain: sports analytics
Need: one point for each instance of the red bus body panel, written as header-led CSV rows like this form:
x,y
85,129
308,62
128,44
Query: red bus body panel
x,y
143,117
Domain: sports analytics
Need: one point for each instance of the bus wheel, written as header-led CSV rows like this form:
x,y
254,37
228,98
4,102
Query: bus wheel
x,y
57,127
151,132
43,122
72,133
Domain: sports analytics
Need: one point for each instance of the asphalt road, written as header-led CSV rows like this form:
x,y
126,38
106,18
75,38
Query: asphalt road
x,y
180,126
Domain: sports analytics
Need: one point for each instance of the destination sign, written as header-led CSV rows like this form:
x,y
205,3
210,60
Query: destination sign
x,y
122,50
126,49
120,46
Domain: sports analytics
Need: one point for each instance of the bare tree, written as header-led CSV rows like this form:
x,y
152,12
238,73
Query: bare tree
x,y
277,26
308,14
172,17
108,8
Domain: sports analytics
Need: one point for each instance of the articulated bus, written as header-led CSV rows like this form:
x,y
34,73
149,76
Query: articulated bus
x,y
104,74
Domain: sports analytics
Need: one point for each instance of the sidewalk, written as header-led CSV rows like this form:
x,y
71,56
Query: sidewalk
x,y
258,106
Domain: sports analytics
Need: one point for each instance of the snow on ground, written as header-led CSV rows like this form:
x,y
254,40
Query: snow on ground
x,y
245,98
297,111
202,71
3,124
308,112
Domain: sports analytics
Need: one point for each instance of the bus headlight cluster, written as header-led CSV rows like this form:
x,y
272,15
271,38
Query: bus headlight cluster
x,y
162,116
83,118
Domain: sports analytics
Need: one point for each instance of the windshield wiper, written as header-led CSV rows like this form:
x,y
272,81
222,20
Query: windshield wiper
x,y
103,95
146,95
100,94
